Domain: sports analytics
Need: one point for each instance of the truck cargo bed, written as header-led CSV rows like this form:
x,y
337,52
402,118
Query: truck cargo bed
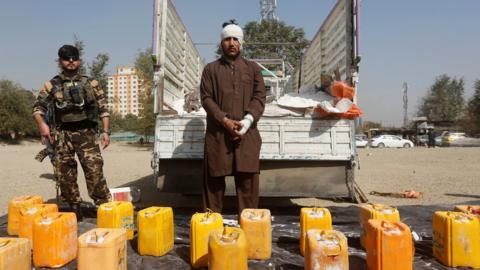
x,y
299,156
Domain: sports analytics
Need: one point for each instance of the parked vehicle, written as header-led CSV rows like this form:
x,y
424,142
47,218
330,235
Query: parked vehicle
x,y
450,137
390,141
361,141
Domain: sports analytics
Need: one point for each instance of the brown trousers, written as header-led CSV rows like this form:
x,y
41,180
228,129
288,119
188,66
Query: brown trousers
x,y
246,186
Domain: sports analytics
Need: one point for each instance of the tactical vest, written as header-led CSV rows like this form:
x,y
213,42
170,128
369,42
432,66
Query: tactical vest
x,y
74,100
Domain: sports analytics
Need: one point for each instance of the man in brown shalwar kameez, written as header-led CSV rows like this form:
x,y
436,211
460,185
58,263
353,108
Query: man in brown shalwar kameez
x,y
233,95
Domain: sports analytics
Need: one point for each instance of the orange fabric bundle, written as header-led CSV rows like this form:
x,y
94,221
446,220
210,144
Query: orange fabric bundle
x,y
352,113
342,90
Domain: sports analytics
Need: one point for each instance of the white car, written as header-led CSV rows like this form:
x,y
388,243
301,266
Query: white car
x,y
390,141
361,142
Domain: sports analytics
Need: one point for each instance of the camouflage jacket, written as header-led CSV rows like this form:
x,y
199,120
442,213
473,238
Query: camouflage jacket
x,y
93,92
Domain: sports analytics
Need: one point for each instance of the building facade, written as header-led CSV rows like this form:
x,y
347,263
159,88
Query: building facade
x,y
124,92
332,46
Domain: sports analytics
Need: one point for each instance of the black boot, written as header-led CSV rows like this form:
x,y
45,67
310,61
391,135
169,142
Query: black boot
x,y
77,209
89,209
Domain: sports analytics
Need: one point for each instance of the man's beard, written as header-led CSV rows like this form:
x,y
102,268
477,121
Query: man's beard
x,y
67,70
231,57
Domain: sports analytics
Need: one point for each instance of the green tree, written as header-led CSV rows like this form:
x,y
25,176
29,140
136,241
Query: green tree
x,y
81,48
271,31
444,100
473,110
144,68
97,70
15,110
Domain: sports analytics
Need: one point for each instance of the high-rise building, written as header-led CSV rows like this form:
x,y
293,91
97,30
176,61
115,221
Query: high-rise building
x,y
124,92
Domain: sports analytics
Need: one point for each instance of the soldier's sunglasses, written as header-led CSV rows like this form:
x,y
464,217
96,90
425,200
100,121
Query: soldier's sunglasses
x,y
70,58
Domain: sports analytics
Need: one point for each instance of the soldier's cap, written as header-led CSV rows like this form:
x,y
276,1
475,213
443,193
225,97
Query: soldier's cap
x,y
68,53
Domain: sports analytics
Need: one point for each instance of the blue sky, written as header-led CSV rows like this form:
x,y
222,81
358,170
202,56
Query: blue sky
x,y
407,40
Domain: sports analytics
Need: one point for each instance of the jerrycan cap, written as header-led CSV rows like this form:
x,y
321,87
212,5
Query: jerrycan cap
x,y
474,210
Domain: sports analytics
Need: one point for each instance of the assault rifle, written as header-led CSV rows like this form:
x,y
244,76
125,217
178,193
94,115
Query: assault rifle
x,y
50,150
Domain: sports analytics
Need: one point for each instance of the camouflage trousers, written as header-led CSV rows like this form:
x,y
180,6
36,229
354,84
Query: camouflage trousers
x,y
83,143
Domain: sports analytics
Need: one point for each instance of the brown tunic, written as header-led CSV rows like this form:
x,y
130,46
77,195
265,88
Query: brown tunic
x,y
232,90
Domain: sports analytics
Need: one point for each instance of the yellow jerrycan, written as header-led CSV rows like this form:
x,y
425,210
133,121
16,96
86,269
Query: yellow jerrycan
x,y
102,249
389,245
201,225
456,239
14,207
54,239
325,250
227,249
116,215
15,254
155,231
375,211
313,218
257,225
29,213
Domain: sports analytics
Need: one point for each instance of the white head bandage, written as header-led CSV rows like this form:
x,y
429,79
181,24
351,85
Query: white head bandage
x,y
232,30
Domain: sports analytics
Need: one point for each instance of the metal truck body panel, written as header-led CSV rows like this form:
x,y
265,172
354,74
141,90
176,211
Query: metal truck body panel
x,y
300,156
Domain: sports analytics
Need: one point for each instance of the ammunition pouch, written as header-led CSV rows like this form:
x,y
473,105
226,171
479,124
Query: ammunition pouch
x,y
75,101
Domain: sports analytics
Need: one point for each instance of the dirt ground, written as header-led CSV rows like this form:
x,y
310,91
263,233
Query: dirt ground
x,y
444,175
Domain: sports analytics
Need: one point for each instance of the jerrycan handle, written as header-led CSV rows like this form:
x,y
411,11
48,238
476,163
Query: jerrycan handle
x,y
459,216
150,214
376,206
253,215
4,244
389,226
207,214
329,236
98,235
228,237
112,205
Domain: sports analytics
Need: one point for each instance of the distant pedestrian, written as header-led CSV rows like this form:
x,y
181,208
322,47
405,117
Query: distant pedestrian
x,y
431,138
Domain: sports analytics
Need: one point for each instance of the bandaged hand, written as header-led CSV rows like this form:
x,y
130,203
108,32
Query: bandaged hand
x,y
246,123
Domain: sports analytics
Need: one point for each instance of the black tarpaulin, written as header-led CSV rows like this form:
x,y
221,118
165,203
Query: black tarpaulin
x,y
285,235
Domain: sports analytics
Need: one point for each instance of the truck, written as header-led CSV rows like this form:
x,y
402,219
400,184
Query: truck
x,y
301,156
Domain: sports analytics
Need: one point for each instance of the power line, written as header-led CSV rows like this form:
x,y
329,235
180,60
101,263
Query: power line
x,y
405,104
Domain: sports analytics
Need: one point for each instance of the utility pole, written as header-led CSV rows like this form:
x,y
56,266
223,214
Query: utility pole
x,y
268,10
405,104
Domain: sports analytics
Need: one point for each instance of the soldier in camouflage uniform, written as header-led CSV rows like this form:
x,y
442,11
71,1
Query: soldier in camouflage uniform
x,y
77,102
